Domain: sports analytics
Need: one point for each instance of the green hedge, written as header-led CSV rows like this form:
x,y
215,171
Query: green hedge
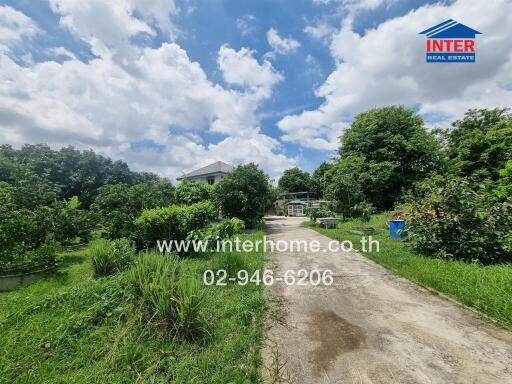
x,y
172,223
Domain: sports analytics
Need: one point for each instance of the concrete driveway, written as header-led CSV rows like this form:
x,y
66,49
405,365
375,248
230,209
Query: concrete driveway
x,y
371,326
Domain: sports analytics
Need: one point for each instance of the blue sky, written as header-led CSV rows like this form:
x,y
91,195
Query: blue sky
x,y
168,86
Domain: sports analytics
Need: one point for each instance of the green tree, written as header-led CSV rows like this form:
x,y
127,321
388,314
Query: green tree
x,y
189,192
344,189
318,179
295,180
118,205
397,151
504,186
479,145
244,193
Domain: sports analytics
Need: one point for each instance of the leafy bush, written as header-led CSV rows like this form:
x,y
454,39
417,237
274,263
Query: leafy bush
x,y
504,186
189,192
172,223
169,296
70,222
362,210
110,257
315,213
26,242
455,221
218,231
118,205
281,211
244,193
24,261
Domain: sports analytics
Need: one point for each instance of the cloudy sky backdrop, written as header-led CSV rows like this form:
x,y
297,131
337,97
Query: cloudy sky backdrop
x,y
170,85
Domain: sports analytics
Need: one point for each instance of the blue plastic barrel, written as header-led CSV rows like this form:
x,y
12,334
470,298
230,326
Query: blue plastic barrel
x,y
397,229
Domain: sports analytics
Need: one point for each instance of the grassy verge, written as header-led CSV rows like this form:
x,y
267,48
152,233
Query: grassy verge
x,y
70,327
486,288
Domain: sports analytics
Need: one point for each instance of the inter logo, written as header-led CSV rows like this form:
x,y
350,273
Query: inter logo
x,y
450,42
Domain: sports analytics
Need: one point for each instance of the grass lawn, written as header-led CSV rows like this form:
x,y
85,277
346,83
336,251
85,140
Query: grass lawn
x,y
72,328
486,288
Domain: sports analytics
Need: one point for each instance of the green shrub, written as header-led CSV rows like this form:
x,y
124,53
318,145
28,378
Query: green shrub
x,y
118,205
218,231
190,299
168,295
69,222
190,192
26,242
24,261
244,193
172,223
110,257
362,210
453,220
315,213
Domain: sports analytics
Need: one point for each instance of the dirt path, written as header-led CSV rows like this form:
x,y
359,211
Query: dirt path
x,y
371,326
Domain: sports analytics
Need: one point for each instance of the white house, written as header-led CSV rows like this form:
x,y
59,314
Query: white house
x,y
210,174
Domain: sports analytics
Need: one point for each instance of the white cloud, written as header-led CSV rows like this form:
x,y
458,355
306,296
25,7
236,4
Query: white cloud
x,y
246,24
241,68
130,94
60,52
14,26
387,66
282,45
320,31
107,26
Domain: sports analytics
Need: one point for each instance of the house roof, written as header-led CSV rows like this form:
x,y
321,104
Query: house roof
x,y
450,29
217,167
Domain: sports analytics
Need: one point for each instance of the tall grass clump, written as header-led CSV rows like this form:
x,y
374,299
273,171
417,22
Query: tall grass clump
x,y
110,257
170,297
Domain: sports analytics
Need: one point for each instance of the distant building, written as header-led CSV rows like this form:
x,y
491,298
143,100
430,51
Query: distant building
x,y
210,174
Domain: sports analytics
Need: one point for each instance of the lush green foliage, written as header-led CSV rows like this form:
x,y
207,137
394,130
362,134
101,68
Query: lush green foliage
x,y
318,179
504,186
189,192
294,180
315,213
71,328
244,193
453,220
69,221
480,144
344,188
118,205
170,294
110,257
362,210
222,230
391,149
27,233
46,195
172,223
76,173
486,288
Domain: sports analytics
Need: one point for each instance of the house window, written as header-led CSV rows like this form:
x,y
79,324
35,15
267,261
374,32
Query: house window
x,y
210,180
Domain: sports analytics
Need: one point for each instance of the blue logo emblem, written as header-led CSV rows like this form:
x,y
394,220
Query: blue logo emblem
x,y
450,42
